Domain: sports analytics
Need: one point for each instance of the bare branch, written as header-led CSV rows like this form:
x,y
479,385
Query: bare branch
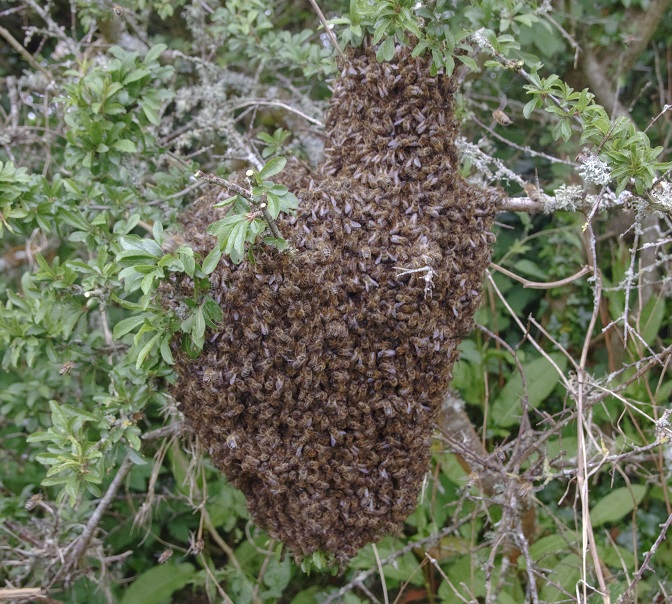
x,y
24,53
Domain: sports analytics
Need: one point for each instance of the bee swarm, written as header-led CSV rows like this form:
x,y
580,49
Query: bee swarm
x,y
318,394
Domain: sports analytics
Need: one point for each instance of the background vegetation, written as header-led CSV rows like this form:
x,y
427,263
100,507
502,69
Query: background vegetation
x,y
550,478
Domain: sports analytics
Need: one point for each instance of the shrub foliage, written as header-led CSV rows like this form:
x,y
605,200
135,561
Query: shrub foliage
x,y
550,458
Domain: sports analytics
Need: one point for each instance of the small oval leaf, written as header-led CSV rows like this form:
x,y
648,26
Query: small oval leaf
x,y
277,164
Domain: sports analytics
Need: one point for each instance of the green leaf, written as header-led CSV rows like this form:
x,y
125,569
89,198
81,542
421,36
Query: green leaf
x,y
58,418
146,349
136,74
273,167
211,312
239,241
127,325
541,380
617,504
157,231
37,437
186,254
222,228
386,50
125,146
132,246
279,190
651,319
549,545
566,573
469,62
165,351
530,106
380,30
75,218
151,115
158,584
277,575
147,282
266,138
289,202
136,458
44,265
226,202
420,47
212,260
273,203
404,568
154,53
280,244
233,237
198,330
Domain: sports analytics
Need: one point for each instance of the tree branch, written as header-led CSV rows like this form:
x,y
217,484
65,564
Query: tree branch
x,y
596,68
643,24
25,54
79,545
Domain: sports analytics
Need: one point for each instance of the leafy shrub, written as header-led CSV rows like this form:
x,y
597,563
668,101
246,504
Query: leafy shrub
x,y
555,472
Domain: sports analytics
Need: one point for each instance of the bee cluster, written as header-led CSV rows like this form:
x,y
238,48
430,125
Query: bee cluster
x,y
318,393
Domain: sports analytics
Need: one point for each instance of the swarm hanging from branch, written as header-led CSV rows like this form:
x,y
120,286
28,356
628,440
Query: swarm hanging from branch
x,y
318,394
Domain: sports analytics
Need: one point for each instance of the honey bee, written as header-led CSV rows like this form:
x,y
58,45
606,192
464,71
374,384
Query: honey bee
x,y
501,118
33,501
165,556
66,368
210,375
195,545
524,489
532,192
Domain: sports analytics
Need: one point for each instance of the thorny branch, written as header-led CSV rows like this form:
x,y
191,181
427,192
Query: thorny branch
x,y
647,561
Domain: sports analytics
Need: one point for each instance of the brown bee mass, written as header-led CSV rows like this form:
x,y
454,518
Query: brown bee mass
x,y
318,394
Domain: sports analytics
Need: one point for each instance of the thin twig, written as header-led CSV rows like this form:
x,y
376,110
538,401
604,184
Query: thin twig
x,y
647,560
53,27
526,150
162,432
327,29
539,285
81,542
260,577
588,536
360,577
447,580
20,593
381,573
206,566
25,54
260,102
572,42
526,331
223,545
231,186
